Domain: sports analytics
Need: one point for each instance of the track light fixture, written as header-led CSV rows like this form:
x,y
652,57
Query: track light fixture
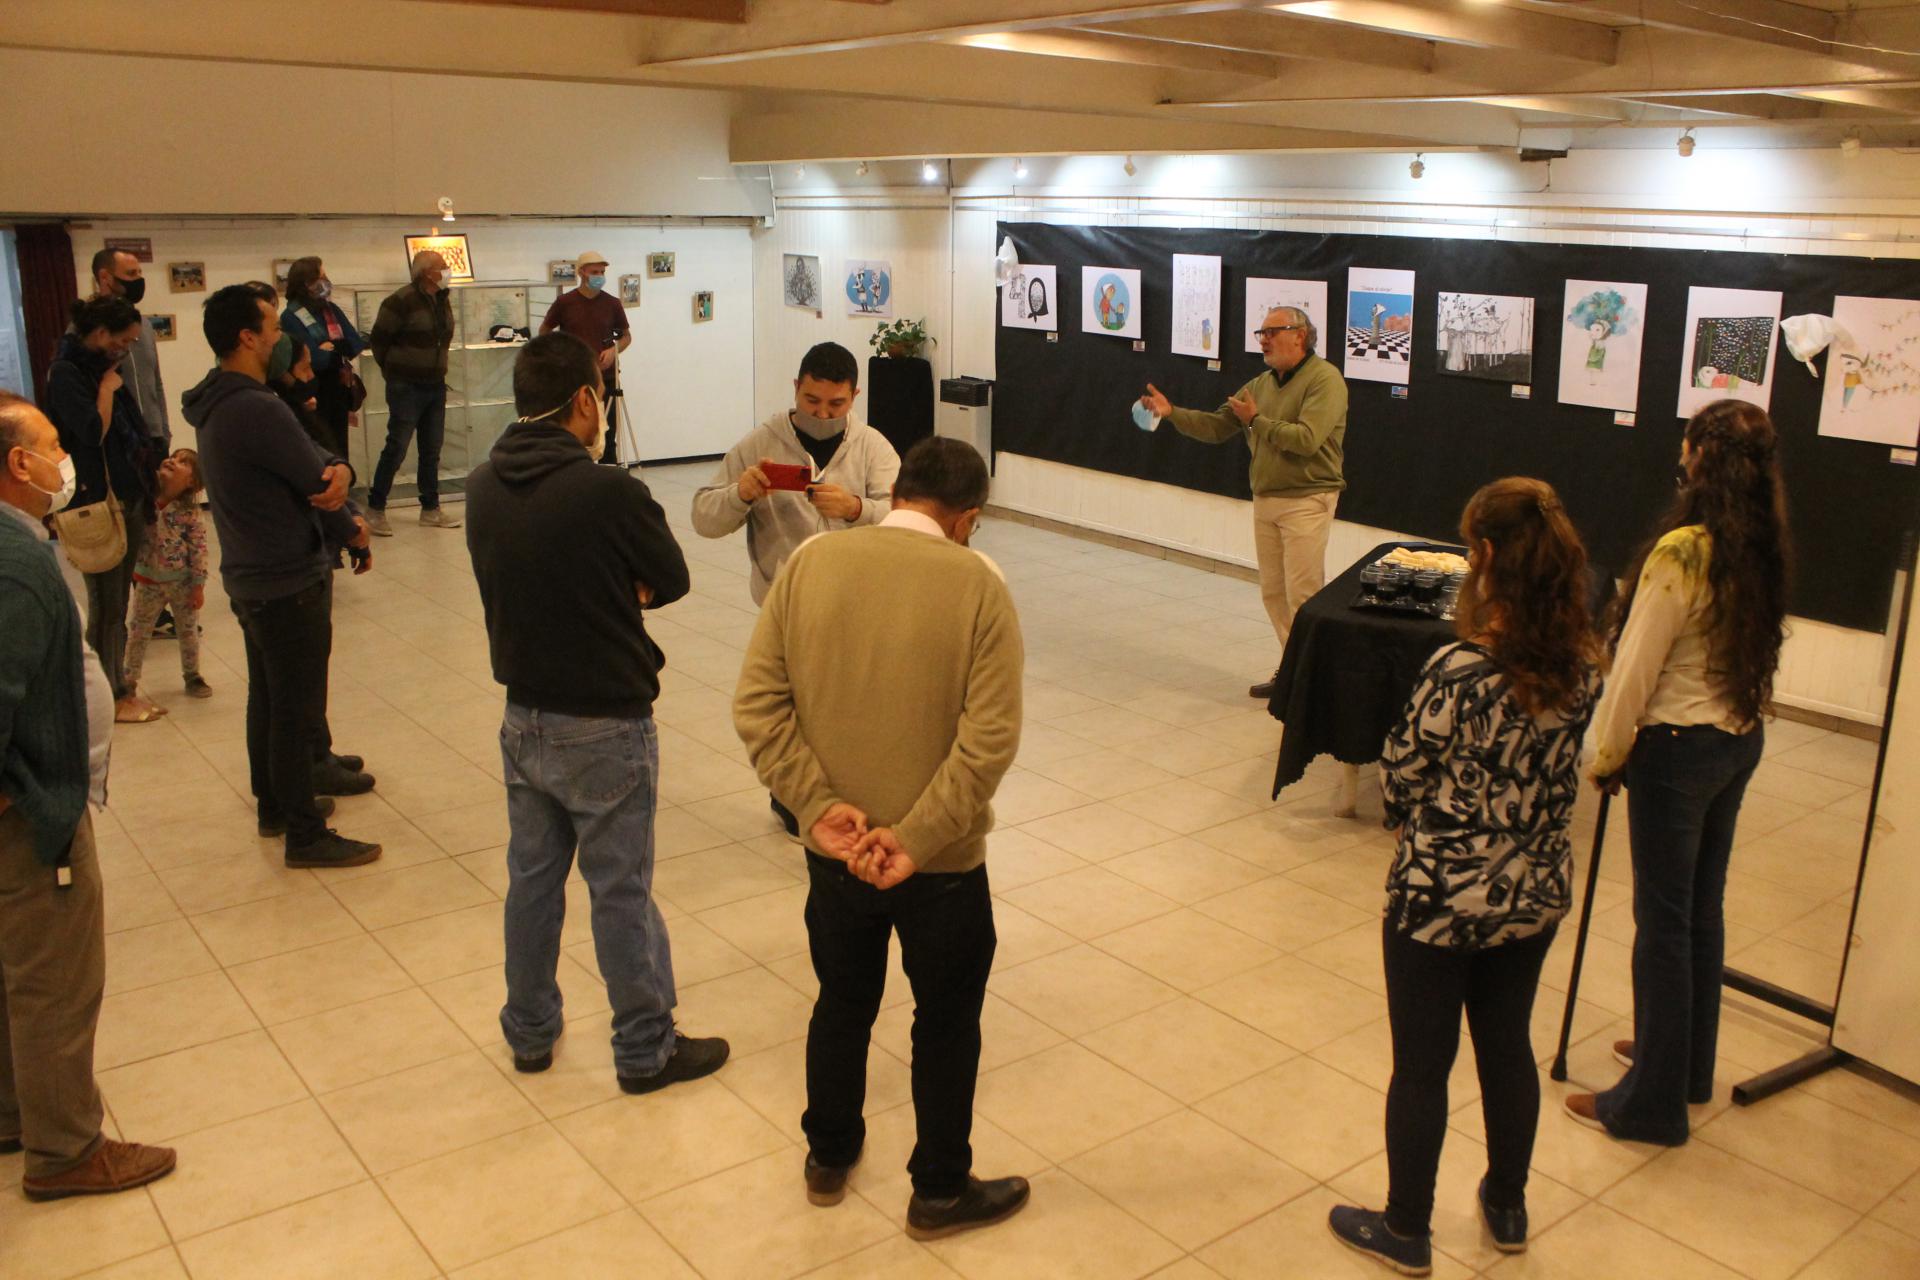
x,y
1685,145
1417,168
445,205
1850,145
1020,170
1128,167
927,172
861,170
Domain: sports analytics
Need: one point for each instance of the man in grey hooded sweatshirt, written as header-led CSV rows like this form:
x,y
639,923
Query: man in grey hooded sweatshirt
x,y
852,467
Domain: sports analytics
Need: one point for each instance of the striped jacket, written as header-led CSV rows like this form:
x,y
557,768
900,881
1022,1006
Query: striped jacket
x,y
412,332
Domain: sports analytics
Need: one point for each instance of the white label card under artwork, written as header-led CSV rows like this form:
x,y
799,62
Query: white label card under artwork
x,y
1379,329
1903,457
1602,326
1625,419
1871,390
1196,305
1730,337
1028,300
1110,301
1265,293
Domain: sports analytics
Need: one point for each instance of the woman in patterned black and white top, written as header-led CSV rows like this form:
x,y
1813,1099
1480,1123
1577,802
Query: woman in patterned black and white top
x,y
1480,778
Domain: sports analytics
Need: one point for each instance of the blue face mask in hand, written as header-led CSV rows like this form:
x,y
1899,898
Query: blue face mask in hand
x,y
1144,418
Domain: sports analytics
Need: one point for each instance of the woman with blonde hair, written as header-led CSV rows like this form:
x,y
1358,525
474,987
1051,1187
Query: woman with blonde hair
x,y
1480,778
1696,645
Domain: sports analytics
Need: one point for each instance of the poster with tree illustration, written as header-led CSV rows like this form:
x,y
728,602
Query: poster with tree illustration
x,y
1871,388
1603,324
1729,352
1485,335
800,280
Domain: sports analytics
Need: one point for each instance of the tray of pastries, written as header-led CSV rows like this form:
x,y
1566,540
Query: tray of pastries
x,y
1415,578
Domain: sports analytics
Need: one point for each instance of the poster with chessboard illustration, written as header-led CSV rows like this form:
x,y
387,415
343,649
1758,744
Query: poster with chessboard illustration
x,y
1379,338
1729,352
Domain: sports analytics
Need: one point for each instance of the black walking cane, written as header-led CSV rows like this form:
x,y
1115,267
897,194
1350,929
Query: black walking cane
x,y
1559,1069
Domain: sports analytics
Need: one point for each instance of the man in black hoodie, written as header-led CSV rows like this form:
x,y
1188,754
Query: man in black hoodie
x,y
275,495
567,555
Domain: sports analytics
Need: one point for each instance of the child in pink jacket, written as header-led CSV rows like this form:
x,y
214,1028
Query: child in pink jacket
x,y
171,571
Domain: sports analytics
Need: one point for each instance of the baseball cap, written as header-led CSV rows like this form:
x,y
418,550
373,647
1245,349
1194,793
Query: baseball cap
x,y
580,263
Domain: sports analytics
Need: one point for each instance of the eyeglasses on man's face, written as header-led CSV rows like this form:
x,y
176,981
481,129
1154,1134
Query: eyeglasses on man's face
x,y
1267,333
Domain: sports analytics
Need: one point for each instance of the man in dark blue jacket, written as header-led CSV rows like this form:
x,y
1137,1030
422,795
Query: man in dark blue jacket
x,y
275,497
567,555
53,963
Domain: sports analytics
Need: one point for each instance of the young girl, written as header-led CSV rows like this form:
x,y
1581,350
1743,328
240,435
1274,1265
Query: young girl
x,y
1480,778
172,571
1693,666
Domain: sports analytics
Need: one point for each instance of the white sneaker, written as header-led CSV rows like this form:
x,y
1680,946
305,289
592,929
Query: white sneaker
x,y
377,522
438,518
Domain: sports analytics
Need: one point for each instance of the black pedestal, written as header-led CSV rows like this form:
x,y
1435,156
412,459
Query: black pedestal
x,y
900,399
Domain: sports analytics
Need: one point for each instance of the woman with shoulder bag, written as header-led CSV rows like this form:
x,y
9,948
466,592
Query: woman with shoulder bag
x,y
1480,778
313,318
101,429
1696,646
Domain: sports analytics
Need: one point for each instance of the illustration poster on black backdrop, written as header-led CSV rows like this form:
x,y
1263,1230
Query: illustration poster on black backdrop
x,y
1872,388
1729,350
1603,323
1379,324
1486,335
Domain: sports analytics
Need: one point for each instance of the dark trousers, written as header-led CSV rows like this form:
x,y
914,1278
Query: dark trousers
x,y
412,408
332,403
1427,986
946,946
610,452
107,597
1684,787
288,642
323,734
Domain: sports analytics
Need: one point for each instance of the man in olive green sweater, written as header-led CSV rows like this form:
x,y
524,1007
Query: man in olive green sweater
x,y
880,702
1294,419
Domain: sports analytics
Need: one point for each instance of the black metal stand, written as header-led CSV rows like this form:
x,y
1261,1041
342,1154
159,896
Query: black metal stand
x,y
1559,1069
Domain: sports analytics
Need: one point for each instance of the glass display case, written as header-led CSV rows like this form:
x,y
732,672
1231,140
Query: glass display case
x,y
479,379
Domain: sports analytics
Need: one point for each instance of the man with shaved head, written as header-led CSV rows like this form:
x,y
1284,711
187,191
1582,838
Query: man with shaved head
x,y
409,340
1294,419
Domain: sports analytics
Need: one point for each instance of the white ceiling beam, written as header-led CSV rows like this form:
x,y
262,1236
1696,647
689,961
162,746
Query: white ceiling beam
x,y
1557,105
1448,22
1747,106
1282,37
1128,51
789,28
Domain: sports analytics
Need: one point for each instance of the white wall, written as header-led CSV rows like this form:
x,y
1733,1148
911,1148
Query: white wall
x,y
104,134
905,229
689,386
1782,201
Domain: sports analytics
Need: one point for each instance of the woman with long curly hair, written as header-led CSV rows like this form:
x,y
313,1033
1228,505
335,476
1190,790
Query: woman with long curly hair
x,y
1696,645
1480,778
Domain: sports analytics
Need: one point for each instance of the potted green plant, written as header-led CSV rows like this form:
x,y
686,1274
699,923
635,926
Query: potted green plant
x,y
901,338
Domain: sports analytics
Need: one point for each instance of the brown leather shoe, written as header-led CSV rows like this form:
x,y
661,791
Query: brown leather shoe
x,y
1623,1052
114,1166
1580,1109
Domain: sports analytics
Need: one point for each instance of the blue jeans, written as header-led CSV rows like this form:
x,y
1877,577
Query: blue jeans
x,y
412,407
1684,787
586,783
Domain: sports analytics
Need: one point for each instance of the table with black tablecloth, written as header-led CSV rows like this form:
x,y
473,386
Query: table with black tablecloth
x,y
1348,672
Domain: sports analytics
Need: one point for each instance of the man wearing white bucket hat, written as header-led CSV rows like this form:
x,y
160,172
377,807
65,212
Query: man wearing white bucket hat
x,y
598,319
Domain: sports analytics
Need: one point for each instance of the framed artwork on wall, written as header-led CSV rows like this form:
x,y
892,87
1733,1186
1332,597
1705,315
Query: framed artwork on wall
x,y
703,306
560,272
280,268
187,277
162,327
630,291
659,264
453,248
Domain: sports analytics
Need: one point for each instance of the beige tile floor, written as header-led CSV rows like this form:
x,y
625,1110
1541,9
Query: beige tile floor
x,y
1186,1043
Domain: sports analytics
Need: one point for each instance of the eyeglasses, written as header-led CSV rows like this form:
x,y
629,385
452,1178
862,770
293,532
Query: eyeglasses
x,y
1278,328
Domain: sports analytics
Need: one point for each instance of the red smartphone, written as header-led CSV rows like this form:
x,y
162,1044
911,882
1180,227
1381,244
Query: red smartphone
x,y
796,476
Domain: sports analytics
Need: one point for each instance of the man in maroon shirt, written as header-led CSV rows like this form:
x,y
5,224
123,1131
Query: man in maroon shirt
x,y
598,319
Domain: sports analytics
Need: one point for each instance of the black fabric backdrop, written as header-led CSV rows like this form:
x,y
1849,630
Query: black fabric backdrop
x,y
1412,464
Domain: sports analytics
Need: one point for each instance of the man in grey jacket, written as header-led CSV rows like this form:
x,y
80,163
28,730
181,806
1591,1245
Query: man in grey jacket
x,y
852,468
116,274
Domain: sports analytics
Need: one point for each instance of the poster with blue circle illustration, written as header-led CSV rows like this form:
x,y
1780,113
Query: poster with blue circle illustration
x,y
1110,301
870,288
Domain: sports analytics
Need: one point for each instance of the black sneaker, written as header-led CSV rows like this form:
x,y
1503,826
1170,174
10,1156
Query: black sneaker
x,y
1508,1227
331,780
332,850
826,1183
1365,1230
984,1203
271,826
352,764
692,1058
533,1066
1264,690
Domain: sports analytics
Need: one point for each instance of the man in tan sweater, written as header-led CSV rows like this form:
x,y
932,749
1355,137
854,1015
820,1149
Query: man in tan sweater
x,y
880,702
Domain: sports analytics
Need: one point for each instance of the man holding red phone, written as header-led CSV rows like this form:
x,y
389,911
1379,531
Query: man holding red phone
x,y
804,471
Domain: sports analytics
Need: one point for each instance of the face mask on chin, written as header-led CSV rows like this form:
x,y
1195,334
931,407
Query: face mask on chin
x,y
819,428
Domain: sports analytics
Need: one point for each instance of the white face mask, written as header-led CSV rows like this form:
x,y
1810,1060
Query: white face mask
x,y
69,481
446,279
